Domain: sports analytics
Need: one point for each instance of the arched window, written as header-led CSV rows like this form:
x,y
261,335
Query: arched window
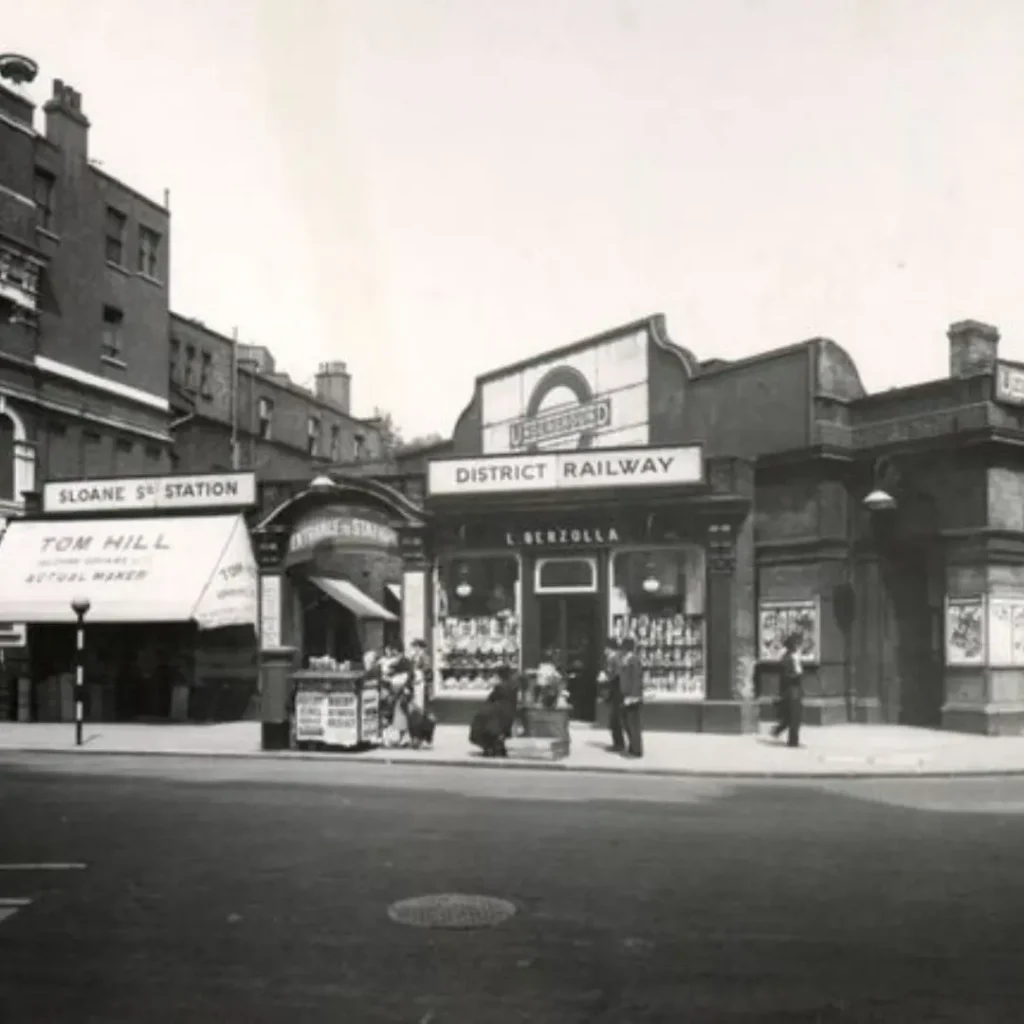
x,y
17,457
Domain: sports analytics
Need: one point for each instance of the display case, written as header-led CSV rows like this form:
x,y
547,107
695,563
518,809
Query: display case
x,y
657,599
477,625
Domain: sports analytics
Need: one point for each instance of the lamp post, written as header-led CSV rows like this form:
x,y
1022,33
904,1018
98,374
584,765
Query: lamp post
x,y
80,606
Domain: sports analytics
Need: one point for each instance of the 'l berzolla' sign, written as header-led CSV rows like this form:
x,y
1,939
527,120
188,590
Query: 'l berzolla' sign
x,y
195,491
618,468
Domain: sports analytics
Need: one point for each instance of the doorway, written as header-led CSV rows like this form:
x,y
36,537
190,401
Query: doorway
x,y
570,629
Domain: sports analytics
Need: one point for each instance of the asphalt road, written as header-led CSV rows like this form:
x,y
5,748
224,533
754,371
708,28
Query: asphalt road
x,y
255,891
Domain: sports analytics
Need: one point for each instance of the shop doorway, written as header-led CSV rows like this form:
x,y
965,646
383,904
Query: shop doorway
x,y
570,629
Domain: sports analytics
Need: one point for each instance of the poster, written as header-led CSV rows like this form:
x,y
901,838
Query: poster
x,y
780,619
965,631
1006,631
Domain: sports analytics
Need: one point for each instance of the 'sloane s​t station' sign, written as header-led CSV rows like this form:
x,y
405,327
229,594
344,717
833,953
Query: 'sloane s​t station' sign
x,y
561,471
148,494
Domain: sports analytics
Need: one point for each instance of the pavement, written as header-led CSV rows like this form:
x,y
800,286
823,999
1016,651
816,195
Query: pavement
x,y
833,751
177,890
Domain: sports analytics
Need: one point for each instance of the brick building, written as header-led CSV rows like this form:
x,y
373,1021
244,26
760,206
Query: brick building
x,y
283,431
84,264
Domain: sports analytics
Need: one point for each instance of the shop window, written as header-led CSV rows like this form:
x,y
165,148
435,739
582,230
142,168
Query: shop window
x,y
477,625
566,576
657,598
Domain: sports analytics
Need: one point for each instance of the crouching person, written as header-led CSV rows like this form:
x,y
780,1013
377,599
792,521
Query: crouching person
x,y
492,725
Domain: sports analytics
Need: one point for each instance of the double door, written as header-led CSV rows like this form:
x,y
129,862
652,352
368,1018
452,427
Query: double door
x,y
571,633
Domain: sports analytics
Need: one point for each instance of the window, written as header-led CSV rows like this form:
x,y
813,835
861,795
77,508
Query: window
x,y
266,418
175,358
115,229
205,375
44,192
477,630
566,576
357,447
112,321
335,443
7,458
154,453
657,598
313,435
149,252
190,367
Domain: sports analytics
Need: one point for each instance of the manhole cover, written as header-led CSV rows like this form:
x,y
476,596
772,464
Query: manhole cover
x,y
451,910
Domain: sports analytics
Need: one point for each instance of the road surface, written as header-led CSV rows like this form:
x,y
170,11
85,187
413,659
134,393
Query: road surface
x,y
162,890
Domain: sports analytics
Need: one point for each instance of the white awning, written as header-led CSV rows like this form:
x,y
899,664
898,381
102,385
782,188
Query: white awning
x,y
395,590
169,569
361,605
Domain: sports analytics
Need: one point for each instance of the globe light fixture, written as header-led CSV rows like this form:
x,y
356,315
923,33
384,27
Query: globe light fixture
x,y
464,589
651,584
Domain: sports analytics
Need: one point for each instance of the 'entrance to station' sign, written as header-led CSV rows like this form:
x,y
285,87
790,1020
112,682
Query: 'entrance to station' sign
x,y
635,467
204,490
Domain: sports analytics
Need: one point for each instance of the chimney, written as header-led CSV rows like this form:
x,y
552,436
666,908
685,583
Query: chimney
x,y
334,385
973,348
66,125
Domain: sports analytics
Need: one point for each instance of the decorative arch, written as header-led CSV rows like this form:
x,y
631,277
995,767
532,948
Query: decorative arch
x,y
23,455
337,488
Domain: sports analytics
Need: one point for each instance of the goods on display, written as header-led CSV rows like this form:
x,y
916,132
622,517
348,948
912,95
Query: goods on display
x,y
473,649
671,650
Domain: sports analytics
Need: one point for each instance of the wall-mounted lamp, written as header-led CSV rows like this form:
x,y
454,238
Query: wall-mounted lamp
x,y
464,589
321,483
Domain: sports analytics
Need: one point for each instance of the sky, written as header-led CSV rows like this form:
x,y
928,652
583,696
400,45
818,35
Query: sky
x,y
430,189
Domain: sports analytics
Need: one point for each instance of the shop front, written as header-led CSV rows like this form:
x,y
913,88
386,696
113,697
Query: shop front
x,y
580,504
165,570
330,560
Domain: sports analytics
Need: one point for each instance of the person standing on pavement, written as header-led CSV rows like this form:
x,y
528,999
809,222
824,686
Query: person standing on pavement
x,y
631,683
791,693
613,692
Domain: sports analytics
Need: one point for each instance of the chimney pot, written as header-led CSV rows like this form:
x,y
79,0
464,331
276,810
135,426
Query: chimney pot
x,y
973,348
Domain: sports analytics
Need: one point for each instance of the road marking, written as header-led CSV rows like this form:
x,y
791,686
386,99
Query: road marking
x,y
42,867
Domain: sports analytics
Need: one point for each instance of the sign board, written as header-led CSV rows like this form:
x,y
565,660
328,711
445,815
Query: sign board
x,y
1010,384
563,536
567,471
341,529
151,493
270,612
587,398
13,634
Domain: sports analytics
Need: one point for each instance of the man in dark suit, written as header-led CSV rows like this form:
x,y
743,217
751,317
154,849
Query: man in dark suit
x,y
613,693
631,682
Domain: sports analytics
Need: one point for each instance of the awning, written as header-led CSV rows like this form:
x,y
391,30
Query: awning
x,y
361,605
169,569
395,591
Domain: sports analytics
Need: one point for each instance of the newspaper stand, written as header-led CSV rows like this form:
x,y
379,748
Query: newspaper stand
x,y
335,708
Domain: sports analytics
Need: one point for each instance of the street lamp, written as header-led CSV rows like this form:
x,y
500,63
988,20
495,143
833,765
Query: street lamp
x,y
80,606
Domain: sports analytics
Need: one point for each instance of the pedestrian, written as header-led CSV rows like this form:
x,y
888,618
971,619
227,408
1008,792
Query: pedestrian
x,y
791,695
631,683
613,692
